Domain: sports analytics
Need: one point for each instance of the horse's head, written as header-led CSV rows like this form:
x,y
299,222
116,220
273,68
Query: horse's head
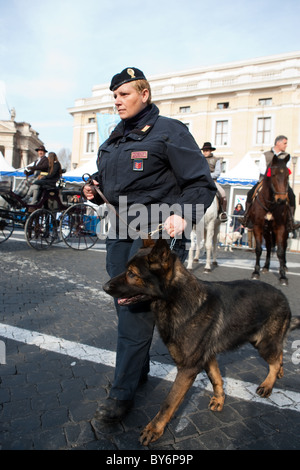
x,y
278,178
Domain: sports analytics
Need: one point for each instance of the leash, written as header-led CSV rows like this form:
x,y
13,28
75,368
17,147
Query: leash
x,y
172,243
88,180
158,229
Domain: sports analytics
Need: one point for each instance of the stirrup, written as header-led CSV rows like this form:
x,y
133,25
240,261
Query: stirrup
x,y
223,217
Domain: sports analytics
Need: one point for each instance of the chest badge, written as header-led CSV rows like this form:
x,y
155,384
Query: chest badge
x,y
138,164
139,155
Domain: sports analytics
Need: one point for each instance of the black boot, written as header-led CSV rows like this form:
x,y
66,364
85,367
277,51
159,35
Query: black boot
x,y
223,205
113,410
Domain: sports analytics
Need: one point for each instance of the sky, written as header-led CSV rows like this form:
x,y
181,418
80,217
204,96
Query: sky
x,y
53,52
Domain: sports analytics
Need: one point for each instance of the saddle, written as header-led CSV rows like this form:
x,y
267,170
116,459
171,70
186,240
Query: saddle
x,y
269,215
257,190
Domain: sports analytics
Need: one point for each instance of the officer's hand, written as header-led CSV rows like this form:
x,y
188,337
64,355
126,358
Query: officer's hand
x,y
175,225
88,190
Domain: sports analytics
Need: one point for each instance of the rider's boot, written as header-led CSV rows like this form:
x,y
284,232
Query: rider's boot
x,y
223,205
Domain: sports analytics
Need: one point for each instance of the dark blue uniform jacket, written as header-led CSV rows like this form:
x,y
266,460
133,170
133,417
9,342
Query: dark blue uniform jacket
x,y
158,161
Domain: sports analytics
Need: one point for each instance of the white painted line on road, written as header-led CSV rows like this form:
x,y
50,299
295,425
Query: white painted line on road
x,y
99,245
248,264
58,345
283,399
238,263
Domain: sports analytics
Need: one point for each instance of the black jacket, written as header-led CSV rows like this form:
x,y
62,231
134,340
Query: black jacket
x,y
49,181
156,162
37,167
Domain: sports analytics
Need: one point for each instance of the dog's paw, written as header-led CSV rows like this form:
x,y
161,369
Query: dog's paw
x,y
150,434
216,404
264,391
280,373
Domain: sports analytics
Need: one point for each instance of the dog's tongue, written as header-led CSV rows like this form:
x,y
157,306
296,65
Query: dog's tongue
x,y
122,301
129,300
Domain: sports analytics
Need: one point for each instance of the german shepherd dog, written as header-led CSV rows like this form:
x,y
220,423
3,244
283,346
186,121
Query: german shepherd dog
x,y
197,320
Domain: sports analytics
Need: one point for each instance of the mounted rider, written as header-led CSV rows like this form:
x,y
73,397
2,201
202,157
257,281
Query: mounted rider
x,y
279,148
214,164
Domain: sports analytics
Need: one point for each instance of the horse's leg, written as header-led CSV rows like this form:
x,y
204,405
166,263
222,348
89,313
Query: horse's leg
x,y
268,239
257,231
281,242
192,248
199,235
215,242
208,246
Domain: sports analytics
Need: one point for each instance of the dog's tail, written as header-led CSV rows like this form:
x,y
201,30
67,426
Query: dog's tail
x,y
295,323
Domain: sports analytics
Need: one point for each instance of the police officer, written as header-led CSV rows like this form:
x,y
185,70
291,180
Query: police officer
x,y
149,159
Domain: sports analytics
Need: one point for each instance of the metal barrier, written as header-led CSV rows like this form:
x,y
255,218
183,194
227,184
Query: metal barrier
x,y
229,238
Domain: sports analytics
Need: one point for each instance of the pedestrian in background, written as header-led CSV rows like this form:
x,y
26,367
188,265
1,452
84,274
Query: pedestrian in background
x,y
235,222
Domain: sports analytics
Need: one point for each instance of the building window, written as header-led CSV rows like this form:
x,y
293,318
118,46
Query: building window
x,y
185,109
92,120
265,101
263,135
221,134
223,105
90,142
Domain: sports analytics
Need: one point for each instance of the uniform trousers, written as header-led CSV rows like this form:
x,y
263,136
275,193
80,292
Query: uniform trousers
x,y
135,323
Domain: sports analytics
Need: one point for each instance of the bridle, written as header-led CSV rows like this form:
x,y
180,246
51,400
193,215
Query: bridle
x,y
269,174
273,203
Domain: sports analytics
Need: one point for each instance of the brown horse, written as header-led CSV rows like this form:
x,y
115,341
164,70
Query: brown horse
x,y
270,214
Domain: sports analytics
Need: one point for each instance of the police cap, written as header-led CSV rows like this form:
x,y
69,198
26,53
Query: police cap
x,y
127,75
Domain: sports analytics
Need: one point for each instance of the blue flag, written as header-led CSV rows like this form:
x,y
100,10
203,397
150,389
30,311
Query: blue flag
x,y
106,124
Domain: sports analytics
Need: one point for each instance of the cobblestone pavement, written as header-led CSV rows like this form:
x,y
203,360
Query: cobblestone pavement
x,y
58,329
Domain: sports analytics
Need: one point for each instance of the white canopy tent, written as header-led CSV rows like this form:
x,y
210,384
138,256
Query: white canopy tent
x,y
245,173
4,166
75,176
239,180
8,171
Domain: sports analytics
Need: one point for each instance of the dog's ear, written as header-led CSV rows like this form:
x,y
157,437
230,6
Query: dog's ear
x,y
160,252
148,242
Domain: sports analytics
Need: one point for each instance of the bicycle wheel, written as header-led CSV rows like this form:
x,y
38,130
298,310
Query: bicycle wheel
x,y
6,228
41,229
79,225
